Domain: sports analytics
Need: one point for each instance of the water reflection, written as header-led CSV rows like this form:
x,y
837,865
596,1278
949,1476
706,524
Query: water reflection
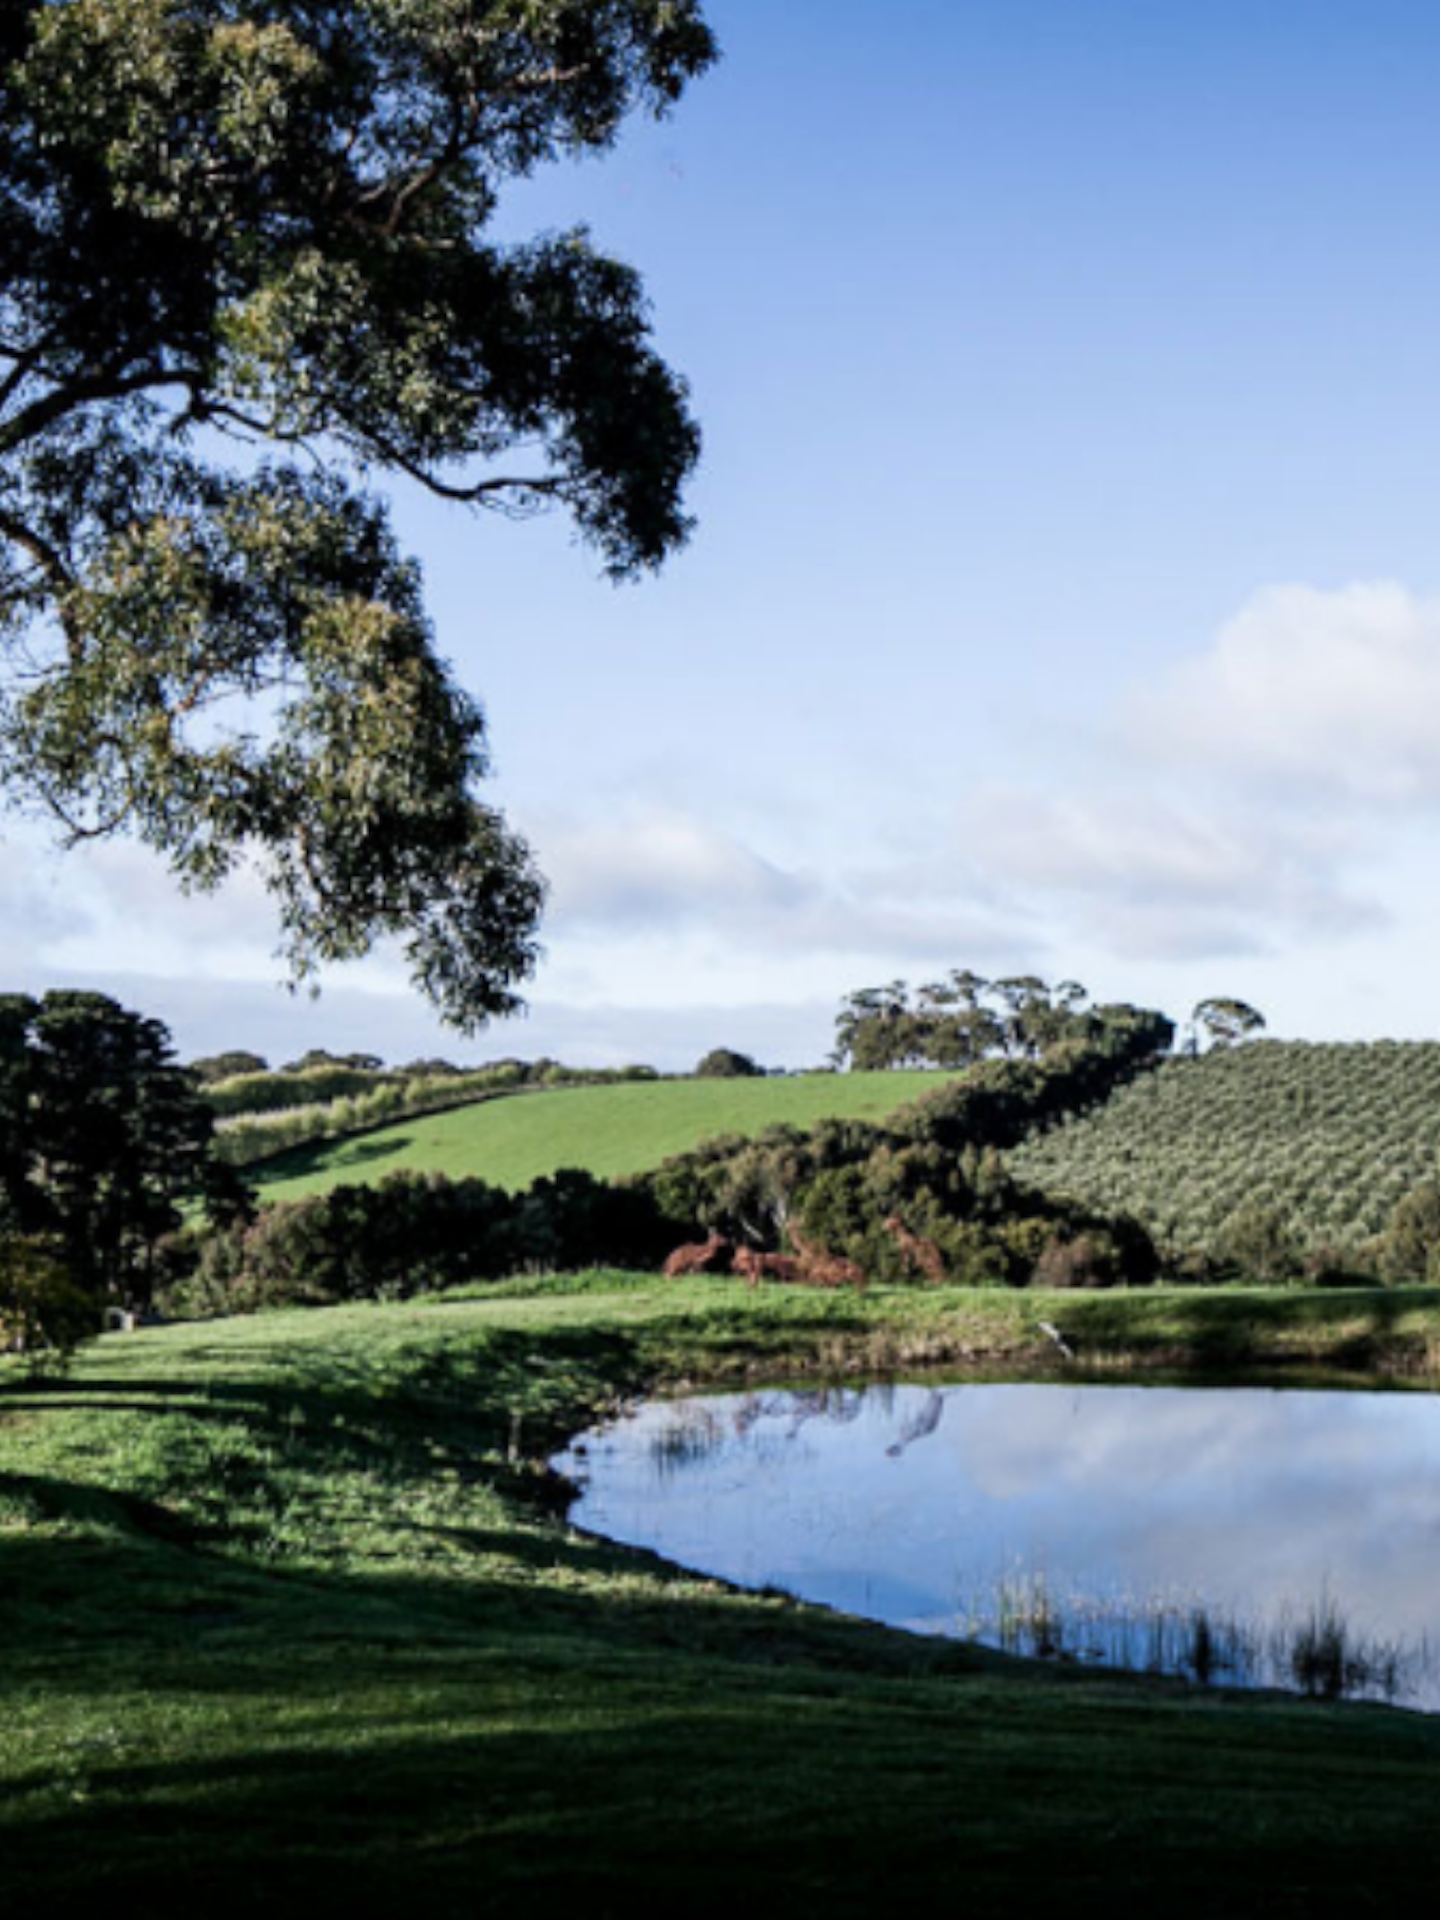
x,y
1242,1534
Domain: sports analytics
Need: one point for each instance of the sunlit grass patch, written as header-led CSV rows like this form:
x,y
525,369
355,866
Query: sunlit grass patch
x,y
606,1131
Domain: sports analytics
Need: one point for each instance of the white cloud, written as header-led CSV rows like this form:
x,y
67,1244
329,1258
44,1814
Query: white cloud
x,y
130,912
35,909
1256,798
656,869
1318,694
662,874
1169,876
1264,799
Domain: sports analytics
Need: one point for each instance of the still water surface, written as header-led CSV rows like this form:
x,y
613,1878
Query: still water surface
x,y
1247,1535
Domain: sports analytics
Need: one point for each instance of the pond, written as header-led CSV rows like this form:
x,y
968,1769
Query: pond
x,y
1241,1535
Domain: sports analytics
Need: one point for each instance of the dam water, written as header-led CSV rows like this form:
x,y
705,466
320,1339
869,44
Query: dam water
x,y
1240,1535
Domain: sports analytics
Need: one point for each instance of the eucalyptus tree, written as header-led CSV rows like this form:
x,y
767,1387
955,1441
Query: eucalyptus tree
x,y
248,260
1226,1022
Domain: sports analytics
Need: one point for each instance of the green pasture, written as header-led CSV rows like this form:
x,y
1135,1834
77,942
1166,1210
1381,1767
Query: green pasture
x,y
605,1130
294,1625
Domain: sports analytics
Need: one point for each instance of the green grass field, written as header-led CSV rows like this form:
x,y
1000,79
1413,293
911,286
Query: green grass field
x,y
606,1130
292,1626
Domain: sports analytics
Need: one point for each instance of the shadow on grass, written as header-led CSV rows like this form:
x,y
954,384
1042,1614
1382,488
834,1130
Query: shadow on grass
x,y
328,1157
197,1729
1237,1329
365,1759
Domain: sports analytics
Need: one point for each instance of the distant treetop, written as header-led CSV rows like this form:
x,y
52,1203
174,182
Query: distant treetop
x,y
724,1063
226,1066
1226,1022
963,1018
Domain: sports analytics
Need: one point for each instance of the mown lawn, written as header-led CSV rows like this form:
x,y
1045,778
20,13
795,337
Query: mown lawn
x,y
605,1130
293,1625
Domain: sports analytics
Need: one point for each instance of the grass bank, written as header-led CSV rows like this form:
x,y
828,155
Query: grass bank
x,y
607,1131
291,1624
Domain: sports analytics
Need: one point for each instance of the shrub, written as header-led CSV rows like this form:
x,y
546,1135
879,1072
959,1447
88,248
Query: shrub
x,y
43,1314
1086,1259
1257,1240
416,1233
1412,1236
724,1063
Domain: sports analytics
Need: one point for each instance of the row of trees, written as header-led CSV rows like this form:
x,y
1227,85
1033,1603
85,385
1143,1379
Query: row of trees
x,y
410,1233
1328,1137
965,1018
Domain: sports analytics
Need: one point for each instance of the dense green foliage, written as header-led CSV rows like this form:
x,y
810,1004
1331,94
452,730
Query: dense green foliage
x,y
250,1137
290,1627
208,1068
1226,1022
43,1313
274,225
254,1093
724,1063
963,1018
933,1171
1321,1140
1410,1251
412,1234
102,1136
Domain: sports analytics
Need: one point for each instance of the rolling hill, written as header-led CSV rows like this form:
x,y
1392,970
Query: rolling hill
x,y
606,1130
1328,1136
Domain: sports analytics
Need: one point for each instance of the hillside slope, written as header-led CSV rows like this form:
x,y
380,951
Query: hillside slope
x,y
605,1130
1329,1136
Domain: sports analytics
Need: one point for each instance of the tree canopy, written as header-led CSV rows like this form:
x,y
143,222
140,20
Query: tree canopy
x,y
246,262
727,1063
1226,1022
102,1136
947,1023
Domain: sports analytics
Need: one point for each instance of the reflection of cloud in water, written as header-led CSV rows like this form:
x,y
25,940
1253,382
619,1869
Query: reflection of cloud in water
x,y
1237,1490
1244,1497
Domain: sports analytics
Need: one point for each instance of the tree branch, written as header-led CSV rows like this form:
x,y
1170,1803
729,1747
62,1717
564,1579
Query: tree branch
x,y
545,486
41,551
85,391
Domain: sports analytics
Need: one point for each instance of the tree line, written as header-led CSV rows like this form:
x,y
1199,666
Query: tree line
x,y
108,1159
964,1018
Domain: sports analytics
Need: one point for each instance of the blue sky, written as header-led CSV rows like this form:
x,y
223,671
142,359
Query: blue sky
x,y
1065,594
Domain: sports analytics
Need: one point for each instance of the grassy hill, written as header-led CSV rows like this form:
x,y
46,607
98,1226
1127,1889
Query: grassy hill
x,y
1329,1136
290,1629
605,1130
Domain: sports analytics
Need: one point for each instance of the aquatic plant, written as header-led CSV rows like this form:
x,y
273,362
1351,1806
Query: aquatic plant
x,y
1316,1651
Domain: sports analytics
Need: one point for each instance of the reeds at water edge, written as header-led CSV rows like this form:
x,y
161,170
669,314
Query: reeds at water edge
x,y
1315,1650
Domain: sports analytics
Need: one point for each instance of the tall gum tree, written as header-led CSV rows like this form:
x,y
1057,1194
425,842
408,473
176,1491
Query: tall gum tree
x,y
263,224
